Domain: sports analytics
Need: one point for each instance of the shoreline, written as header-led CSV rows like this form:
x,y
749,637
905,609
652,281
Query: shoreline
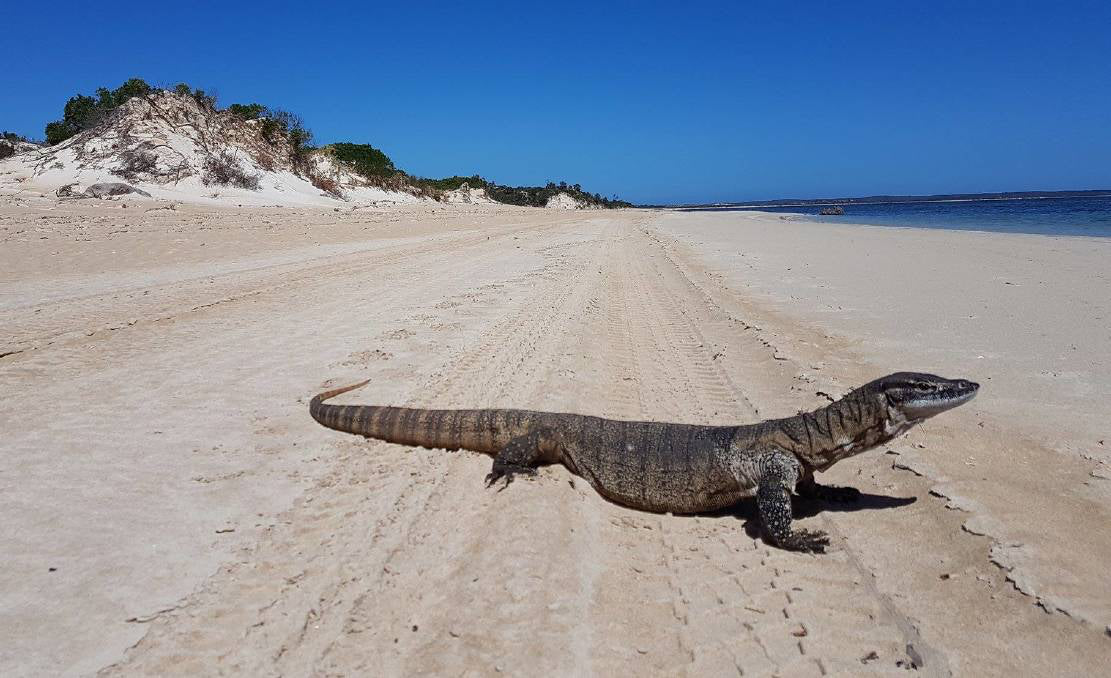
x,y
844,220
845,201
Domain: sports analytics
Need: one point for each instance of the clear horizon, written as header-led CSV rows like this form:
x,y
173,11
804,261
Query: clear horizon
x,y
713,103
917,197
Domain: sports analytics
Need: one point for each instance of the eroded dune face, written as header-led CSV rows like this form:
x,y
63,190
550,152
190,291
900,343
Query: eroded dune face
x,y
169,145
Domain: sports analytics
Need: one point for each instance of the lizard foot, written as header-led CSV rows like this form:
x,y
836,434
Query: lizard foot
x,y
507,471
805,541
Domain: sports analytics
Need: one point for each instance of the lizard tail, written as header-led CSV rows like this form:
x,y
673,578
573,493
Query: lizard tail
x,y
486,431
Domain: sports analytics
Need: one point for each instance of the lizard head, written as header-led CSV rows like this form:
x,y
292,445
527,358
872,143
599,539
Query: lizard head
x,y
916,396
901,401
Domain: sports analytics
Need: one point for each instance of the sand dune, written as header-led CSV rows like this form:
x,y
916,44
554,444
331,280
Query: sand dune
x,y
163,144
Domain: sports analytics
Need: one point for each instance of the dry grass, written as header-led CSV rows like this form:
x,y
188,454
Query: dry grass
x,y
224,169
329,186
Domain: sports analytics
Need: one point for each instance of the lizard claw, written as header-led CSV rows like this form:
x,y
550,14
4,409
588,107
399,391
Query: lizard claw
x,y
805,541
506,471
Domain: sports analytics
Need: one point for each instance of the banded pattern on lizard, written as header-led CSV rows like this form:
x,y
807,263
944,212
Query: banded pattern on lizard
x,y
678,468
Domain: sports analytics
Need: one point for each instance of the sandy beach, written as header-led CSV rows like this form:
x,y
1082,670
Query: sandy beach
x,y
169,507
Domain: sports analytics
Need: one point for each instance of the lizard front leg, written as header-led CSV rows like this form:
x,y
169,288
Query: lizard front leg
x,y
519,456
779,473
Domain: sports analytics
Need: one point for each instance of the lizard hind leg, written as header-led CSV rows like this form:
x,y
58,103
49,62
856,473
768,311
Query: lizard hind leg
x,y
520,456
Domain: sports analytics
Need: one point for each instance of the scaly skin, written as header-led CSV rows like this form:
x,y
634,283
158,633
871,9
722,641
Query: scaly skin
x,y
677,468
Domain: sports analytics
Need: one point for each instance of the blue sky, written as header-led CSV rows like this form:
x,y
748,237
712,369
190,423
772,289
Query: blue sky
x,y
668,102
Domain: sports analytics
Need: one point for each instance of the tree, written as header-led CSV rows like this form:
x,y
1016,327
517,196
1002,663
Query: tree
x,y
57,132
83,112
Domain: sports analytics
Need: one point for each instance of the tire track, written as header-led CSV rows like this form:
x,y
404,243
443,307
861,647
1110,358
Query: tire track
x,y
840,601
508,364
29,329
326,613
736,600
398,562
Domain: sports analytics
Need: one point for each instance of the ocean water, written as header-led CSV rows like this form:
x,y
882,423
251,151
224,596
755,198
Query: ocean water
x,y
1045,216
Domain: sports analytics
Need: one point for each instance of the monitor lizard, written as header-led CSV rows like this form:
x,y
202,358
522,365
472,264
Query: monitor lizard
x,y
677,468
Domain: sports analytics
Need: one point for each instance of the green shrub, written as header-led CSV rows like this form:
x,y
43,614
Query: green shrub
x,y
247,111
538,196
57,132
135,87
277,125
453,183
363,159
203,99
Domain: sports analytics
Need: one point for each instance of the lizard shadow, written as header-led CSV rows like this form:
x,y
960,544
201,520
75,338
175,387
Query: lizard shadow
x,y
747,511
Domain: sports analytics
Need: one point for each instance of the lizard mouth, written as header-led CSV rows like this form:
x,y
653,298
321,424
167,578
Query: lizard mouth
x,y
936,403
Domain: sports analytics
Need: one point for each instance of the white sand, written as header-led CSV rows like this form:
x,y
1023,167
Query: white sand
x,y
157,451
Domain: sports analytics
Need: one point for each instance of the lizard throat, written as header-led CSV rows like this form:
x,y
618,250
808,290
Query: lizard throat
x,y
888,425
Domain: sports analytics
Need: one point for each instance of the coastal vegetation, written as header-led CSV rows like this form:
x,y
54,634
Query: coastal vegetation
x,y
83,112
455,183
374,165
363,159
538,196
287,132
8,143
224,169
